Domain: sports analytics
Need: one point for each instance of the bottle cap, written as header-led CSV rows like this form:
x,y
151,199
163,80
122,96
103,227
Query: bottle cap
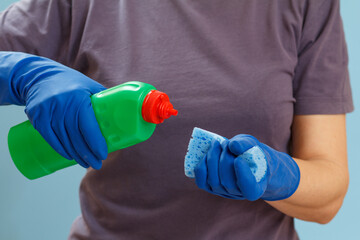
x,y
157,107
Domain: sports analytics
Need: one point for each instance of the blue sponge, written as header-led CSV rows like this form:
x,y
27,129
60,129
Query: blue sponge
x,y
200,143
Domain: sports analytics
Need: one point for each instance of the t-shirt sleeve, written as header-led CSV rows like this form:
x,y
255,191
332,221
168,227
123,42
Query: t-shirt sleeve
x,y
321,81
37,27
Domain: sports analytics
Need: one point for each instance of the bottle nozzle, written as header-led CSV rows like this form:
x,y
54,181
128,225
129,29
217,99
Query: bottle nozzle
x,y
173,112
157,107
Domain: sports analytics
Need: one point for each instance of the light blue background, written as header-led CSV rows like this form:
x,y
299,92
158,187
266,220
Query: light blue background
x,y
45,208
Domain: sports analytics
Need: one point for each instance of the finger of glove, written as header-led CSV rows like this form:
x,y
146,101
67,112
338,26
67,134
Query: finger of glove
x,y
230,196
78,142
246,181
212,163
45,125
201,174
58,124
53,139
42,124
90,131
227,172
241,143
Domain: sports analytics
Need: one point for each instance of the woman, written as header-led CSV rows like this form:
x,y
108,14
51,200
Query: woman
x,y
276,70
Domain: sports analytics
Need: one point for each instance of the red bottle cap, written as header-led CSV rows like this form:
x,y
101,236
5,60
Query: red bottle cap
x,y
157,107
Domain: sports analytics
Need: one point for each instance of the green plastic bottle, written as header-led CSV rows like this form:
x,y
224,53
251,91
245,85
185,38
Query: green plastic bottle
x,y
127,114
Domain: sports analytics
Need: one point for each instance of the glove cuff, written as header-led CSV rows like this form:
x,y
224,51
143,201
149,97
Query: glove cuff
x,y
283,175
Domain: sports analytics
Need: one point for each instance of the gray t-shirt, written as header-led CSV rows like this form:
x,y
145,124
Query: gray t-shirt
x,y
231,67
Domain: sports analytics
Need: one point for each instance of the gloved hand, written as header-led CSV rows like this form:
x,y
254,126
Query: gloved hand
x,y
267,174
58,104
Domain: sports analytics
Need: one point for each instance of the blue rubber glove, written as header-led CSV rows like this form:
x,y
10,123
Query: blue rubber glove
x,y
228,170
58,104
